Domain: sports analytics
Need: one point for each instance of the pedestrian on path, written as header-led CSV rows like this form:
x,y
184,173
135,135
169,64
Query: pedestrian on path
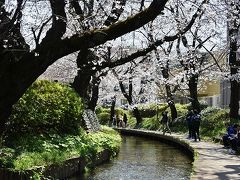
x,y
196,119
165,122
190,123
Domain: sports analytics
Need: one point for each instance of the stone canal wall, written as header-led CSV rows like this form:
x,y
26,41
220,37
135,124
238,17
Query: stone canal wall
x,y
66,169
211,160
156,135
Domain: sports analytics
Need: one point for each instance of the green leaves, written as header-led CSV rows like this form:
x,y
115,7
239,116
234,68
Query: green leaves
x,y
48,106
29,151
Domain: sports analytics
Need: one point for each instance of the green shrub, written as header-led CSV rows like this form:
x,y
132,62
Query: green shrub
x,y
150,110
152,123
47,106
214,121
30,150
98,109
103,118
147,111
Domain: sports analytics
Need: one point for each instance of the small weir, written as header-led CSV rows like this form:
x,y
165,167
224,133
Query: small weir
x,y
143,159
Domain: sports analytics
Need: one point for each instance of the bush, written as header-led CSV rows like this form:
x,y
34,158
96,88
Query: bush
x,y
31,151
150,110
104,118
151,123
47,106
214,121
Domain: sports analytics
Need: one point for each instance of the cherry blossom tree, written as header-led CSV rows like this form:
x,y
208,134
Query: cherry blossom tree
x,y
21,65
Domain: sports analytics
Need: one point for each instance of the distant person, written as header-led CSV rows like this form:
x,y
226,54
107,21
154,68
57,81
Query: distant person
x,y
165,122
232,132
190,123
196,119
235,141
121,123
125,119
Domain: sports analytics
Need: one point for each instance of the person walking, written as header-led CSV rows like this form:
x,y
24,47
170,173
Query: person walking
x,y
190,123
165,122
196,119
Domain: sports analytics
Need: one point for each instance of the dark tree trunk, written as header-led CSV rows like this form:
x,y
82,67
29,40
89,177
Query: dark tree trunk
x,y
112,113
233,31
95,91
170,101
128,96
81,82
234,97
81,85
235,87
192,85
138,116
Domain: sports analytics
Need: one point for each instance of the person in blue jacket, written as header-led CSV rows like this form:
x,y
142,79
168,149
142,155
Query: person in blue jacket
x,y
231,133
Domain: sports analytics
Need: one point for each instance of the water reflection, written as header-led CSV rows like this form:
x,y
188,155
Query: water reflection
x,y
143,159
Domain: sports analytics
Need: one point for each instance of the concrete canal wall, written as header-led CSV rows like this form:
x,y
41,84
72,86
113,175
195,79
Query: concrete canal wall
x,y
156,135
66,169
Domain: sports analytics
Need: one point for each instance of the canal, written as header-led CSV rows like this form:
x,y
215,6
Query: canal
x,y
143,159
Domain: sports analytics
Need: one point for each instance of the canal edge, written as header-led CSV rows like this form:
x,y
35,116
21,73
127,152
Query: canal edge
x,y
64,170
176,140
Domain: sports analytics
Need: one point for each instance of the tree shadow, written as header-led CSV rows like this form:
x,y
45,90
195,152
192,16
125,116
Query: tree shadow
x,y
227,175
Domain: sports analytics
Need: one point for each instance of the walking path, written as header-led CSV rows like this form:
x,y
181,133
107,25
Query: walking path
x,y
212,161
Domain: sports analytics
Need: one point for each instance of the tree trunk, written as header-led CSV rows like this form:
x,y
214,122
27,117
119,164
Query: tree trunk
x,y
95,92
81,85
233,29
173,109
81,82
235,89
138,117
192,84
234,97
112,113
170,101
128,96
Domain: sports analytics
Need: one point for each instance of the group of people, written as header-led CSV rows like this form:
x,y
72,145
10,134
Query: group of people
x,y
231,139
120,121
193,122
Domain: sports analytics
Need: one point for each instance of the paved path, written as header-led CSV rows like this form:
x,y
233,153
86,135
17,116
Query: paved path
x,y
212,162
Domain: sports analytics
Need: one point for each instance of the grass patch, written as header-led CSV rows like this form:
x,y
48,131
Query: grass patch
x,y
214,120
30,151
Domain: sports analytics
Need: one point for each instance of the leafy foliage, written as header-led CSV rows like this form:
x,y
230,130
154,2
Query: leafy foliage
x,y
147,110
47,106
103,118
31,151
214,122
152,123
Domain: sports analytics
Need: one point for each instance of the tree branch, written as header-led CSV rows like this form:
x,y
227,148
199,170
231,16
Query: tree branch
x,y
152,46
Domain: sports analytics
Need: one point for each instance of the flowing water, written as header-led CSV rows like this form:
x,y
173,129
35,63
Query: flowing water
x,y
143,159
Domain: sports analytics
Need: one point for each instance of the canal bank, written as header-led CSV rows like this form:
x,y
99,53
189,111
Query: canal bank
x,y
211,160
142,158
